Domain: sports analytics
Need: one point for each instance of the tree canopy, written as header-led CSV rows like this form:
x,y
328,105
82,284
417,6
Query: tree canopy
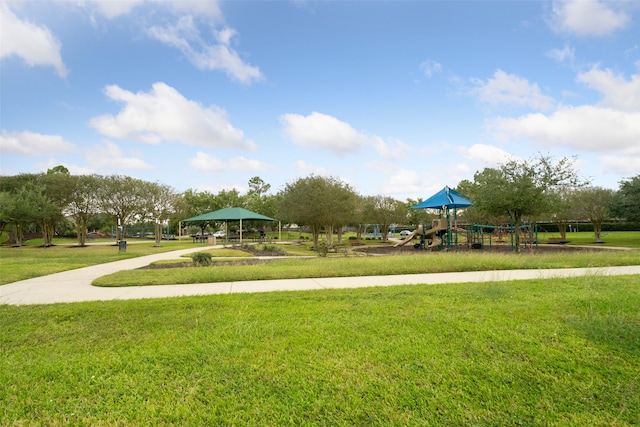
x,y
522,188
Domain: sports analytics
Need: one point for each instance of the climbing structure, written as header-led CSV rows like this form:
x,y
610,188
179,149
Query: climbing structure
x,y
445,229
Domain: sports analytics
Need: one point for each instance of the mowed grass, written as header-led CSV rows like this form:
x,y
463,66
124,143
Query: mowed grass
x,y
542,352
33,261
629,239
423,262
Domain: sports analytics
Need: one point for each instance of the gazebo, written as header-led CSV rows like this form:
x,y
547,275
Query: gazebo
x,y
229,214
445,200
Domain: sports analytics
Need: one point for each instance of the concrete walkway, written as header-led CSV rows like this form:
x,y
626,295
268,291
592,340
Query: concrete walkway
x,y
75,285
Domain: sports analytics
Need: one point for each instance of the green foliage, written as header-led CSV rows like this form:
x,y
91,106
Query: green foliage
x,y
317,202
520,188
321,248
627,202
543,352
274,249
201,259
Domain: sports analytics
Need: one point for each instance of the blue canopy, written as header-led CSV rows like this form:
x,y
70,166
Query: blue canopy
x,y
445,198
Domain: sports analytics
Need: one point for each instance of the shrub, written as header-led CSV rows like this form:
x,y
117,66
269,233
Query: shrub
x,y
322,249
201,259
273,249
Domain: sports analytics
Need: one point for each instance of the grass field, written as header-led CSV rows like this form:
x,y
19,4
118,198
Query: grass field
x,y
547,352
32,261
437,262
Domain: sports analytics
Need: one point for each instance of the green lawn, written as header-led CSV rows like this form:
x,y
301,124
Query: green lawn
x,y
544,352
423,262
629,239
33,261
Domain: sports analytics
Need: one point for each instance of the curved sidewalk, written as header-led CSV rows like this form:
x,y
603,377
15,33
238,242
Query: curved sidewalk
x,y
75,285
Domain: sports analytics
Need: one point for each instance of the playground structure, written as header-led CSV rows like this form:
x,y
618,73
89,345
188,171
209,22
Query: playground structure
x,y
429,238
444,230
479,234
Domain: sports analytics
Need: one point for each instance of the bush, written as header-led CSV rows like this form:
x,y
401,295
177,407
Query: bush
x,y
201,259
322,249
273,249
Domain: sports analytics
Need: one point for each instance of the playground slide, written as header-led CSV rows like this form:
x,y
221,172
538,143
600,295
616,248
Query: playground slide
x,y
429,234
435,241
409,237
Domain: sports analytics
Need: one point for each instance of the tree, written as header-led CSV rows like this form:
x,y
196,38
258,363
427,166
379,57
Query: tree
x,y
160,202
561,210
27,200
317,202
592,203
6,207
521,188
627,201
83,205
416,217
56,184
121,197
386,211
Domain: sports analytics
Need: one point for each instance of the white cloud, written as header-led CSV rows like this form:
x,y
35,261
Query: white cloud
x,y
164,114
34,44
109,156
185,36
510,89
206,162
564,55
588,17
487,154
393,150
322,131
33,144
403,181
305,168
585,127
627,165
619,93
114,8
429,67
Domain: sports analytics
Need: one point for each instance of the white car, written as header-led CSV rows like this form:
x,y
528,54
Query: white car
x,y
405,233
220,233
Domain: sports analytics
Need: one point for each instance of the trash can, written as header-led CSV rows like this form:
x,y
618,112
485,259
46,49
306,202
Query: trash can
x,y
211,240
122,246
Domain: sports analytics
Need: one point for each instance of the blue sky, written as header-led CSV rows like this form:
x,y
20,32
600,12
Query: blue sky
x,y
396,98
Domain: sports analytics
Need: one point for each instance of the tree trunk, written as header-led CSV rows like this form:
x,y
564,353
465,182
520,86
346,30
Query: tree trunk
x,y
385,233
515,227
329,230
47,232
315,233
562,228
19,233
158,234
597,230
81,230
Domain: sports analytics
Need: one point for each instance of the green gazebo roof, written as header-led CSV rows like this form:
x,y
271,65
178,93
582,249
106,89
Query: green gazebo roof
x,y
229,214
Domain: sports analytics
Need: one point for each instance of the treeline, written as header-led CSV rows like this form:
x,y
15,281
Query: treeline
x,y
55,201
541,190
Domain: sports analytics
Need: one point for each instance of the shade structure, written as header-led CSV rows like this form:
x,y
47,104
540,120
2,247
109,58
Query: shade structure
x,y
444,199
230,214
